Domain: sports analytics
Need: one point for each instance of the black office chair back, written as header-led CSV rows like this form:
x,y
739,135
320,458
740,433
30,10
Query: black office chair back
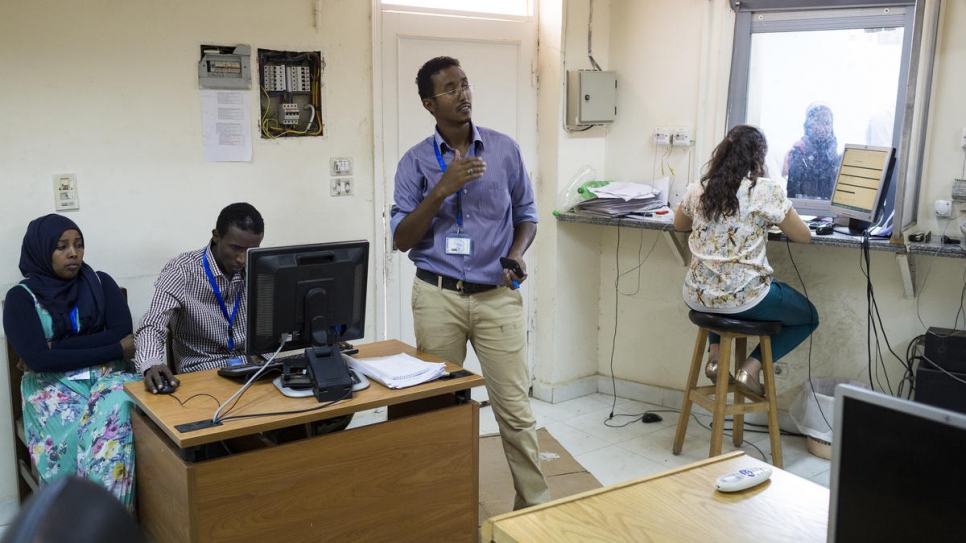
x,y
75,510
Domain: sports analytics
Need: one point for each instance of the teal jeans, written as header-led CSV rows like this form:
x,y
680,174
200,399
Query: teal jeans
x,y
785,304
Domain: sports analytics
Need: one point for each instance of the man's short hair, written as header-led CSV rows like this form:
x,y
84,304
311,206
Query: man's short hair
x,y
242,216
424,81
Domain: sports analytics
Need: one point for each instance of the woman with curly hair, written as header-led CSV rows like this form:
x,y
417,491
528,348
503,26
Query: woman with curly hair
x,y
729,213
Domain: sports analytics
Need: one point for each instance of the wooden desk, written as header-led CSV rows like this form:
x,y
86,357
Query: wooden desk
x,y
414,477
678,505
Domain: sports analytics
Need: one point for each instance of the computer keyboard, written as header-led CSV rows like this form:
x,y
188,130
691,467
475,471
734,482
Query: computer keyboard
x,y
245,371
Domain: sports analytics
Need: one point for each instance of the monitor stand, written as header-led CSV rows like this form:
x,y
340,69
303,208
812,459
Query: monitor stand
x,y
854,227
359,382
291,392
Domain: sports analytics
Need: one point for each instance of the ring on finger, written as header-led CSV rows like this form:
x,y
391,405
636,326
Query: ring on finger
x,y
470,171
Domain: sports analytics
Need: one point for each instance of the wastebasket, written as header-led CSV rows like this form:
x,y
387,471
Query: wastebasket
x,y
814,412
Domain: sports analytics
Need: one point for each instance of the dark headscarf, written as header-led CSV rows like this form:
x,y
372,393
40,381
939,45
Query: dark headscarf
x,y
814,159
59,296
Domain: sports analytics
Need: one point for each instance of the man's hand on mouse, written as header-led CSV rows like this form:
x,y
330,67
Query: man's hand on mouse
x,y
157,376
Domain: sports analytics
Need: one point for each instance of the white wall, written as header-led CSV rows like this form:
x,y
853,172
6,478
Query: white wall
x,y
108,90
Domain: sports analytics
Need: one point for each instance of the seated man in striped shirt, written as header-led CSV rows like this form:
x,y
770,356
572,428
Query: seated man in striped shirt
x,y
200,295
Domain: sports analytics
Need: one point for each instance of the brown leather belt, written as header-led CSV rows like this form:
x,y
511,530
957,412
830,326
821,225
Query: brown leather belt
x,y
449,283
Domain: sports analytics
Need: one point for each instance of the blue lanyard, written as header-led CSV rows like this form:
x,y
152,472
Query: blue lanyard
x,y
221,301
459,193
75,320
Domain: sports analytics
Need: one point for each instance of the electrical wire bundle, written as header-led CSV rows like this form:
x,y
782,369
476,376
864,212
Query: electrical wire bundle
x,y
270,127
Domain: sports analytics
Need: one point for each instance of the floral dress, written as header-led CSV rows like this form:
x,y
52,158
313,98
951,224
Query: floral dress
x,y
79,423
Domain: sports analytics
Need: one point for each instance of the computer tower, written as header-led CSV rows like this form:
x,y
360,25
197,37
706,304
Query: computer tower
x,y
941,378
946,348
933,387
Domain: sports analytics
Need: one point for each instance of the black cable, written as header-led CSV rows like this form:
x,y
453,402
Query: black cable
x,y
613,341
278,413
617,295
811,385
193,396
875,318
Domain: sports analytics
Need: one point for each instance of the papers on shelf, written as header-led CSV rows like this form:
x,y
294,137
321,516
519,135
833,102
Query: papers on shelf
x,y
397,371
613,199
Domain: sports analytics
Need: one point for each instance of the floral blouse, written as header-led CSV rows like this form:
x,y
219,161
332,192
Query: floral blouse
x,y
729,271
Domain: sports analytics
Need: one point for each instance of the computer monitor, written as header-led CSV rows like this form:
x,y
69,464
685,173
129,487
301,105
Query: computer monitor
x,y
860,186
312,297
898,470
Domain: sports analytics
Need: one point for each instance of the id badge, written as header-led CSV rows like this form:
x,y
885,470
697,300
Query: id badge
x,y
458,244
79,375
235,361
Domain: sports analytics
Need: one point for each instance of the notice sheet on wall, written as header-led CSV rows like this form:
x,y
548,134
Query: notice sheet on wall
x,y
227,126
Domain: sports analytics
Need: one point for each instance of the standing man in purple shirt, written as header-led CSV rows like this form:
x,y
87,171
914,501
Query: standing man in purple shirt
x,y
463,201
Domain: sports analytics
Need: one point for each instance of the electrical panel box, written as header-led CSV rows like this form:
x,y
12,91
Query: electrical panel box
x,y
591,97
225,67
291,93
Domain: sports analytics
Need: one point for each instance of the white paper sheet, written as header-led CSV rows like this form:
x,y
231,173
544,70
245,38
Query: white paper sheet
x,y
227,126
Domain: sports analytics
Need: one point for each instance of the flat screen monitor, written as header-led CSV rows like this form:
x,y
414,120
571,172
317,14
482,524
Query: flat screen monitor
x,y
898,470
311,295
860,185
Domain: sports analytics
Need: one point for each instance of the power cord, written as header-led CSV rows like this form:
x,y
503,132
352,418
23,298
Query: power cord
x,y
617,295
811,384
875,324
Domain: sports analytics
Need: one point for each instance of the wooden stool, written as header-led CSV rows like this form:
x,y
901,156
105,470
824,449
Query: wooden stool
x,y
715,398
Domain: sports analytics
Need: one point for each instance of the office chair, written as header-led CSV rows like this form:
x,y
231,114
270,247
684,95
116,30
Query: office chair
x,y
76,510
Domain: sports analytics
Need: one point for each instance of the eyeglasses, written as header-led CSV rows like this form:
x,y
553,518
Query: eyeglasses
x,y
464,88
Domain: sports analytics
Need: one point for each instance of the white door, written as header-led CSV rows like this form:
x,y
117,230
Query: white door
x,y
499,58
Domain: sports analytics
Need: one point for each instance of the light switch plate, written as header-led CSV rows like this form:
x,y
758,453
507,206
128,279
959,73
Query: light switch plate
x,y
340,166
65,192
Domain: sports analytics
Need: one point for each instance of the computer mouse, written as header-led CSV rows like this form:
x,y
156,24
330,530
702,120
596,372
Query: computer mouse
x,y
824,230
167,388
651,417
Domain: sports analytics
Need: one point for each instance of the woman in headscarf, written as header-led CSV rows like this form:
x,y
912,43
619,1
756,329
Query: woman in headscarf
x,y
72,328
813,161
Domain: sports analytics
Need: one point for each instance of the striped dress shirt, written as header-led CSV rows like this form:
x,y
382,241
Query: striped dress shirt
x,y
183,299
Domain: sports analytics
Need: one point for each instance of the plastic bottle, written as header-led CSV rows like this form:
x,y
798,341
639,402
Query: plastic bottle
x,y
573,194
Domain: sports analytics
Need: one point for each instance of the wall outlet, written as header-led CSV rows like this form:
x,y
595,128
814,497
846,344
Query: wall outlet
x,y
341,186
681,137
781,370
662,136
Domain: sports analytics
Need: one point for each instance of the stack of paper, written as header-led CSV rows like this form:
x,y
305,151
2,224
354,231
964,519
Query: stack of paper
x,y
612,199
397,371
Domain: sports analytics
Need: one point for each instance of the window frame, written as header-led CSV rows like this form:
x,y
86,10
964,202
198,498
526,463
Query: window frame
x,y
913,85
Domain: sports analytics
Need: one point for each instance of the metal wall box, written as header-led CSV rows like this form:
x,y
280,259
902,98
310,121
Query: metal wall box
x,y
591,97
225,67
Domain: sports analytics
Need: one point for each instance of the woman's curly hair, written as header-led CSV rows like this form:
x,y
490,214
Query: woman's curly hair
x,y
740,154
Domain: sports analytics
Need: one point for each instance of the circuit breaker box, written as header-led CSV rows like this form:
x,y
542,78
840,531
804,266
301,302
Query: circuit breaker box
x,y
591,97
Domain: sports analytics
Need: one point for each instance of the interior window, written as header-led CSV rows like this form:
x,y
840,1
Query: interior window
x,y
816,75
815,91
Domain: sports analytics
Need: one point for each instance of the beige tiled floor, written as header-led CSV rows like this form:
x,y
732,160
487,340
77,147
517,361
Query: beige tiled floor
x,y
615,454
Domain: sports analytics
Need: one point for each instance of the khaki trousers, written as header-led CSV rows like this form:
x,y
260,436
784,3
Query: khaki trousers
x,y
493,323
